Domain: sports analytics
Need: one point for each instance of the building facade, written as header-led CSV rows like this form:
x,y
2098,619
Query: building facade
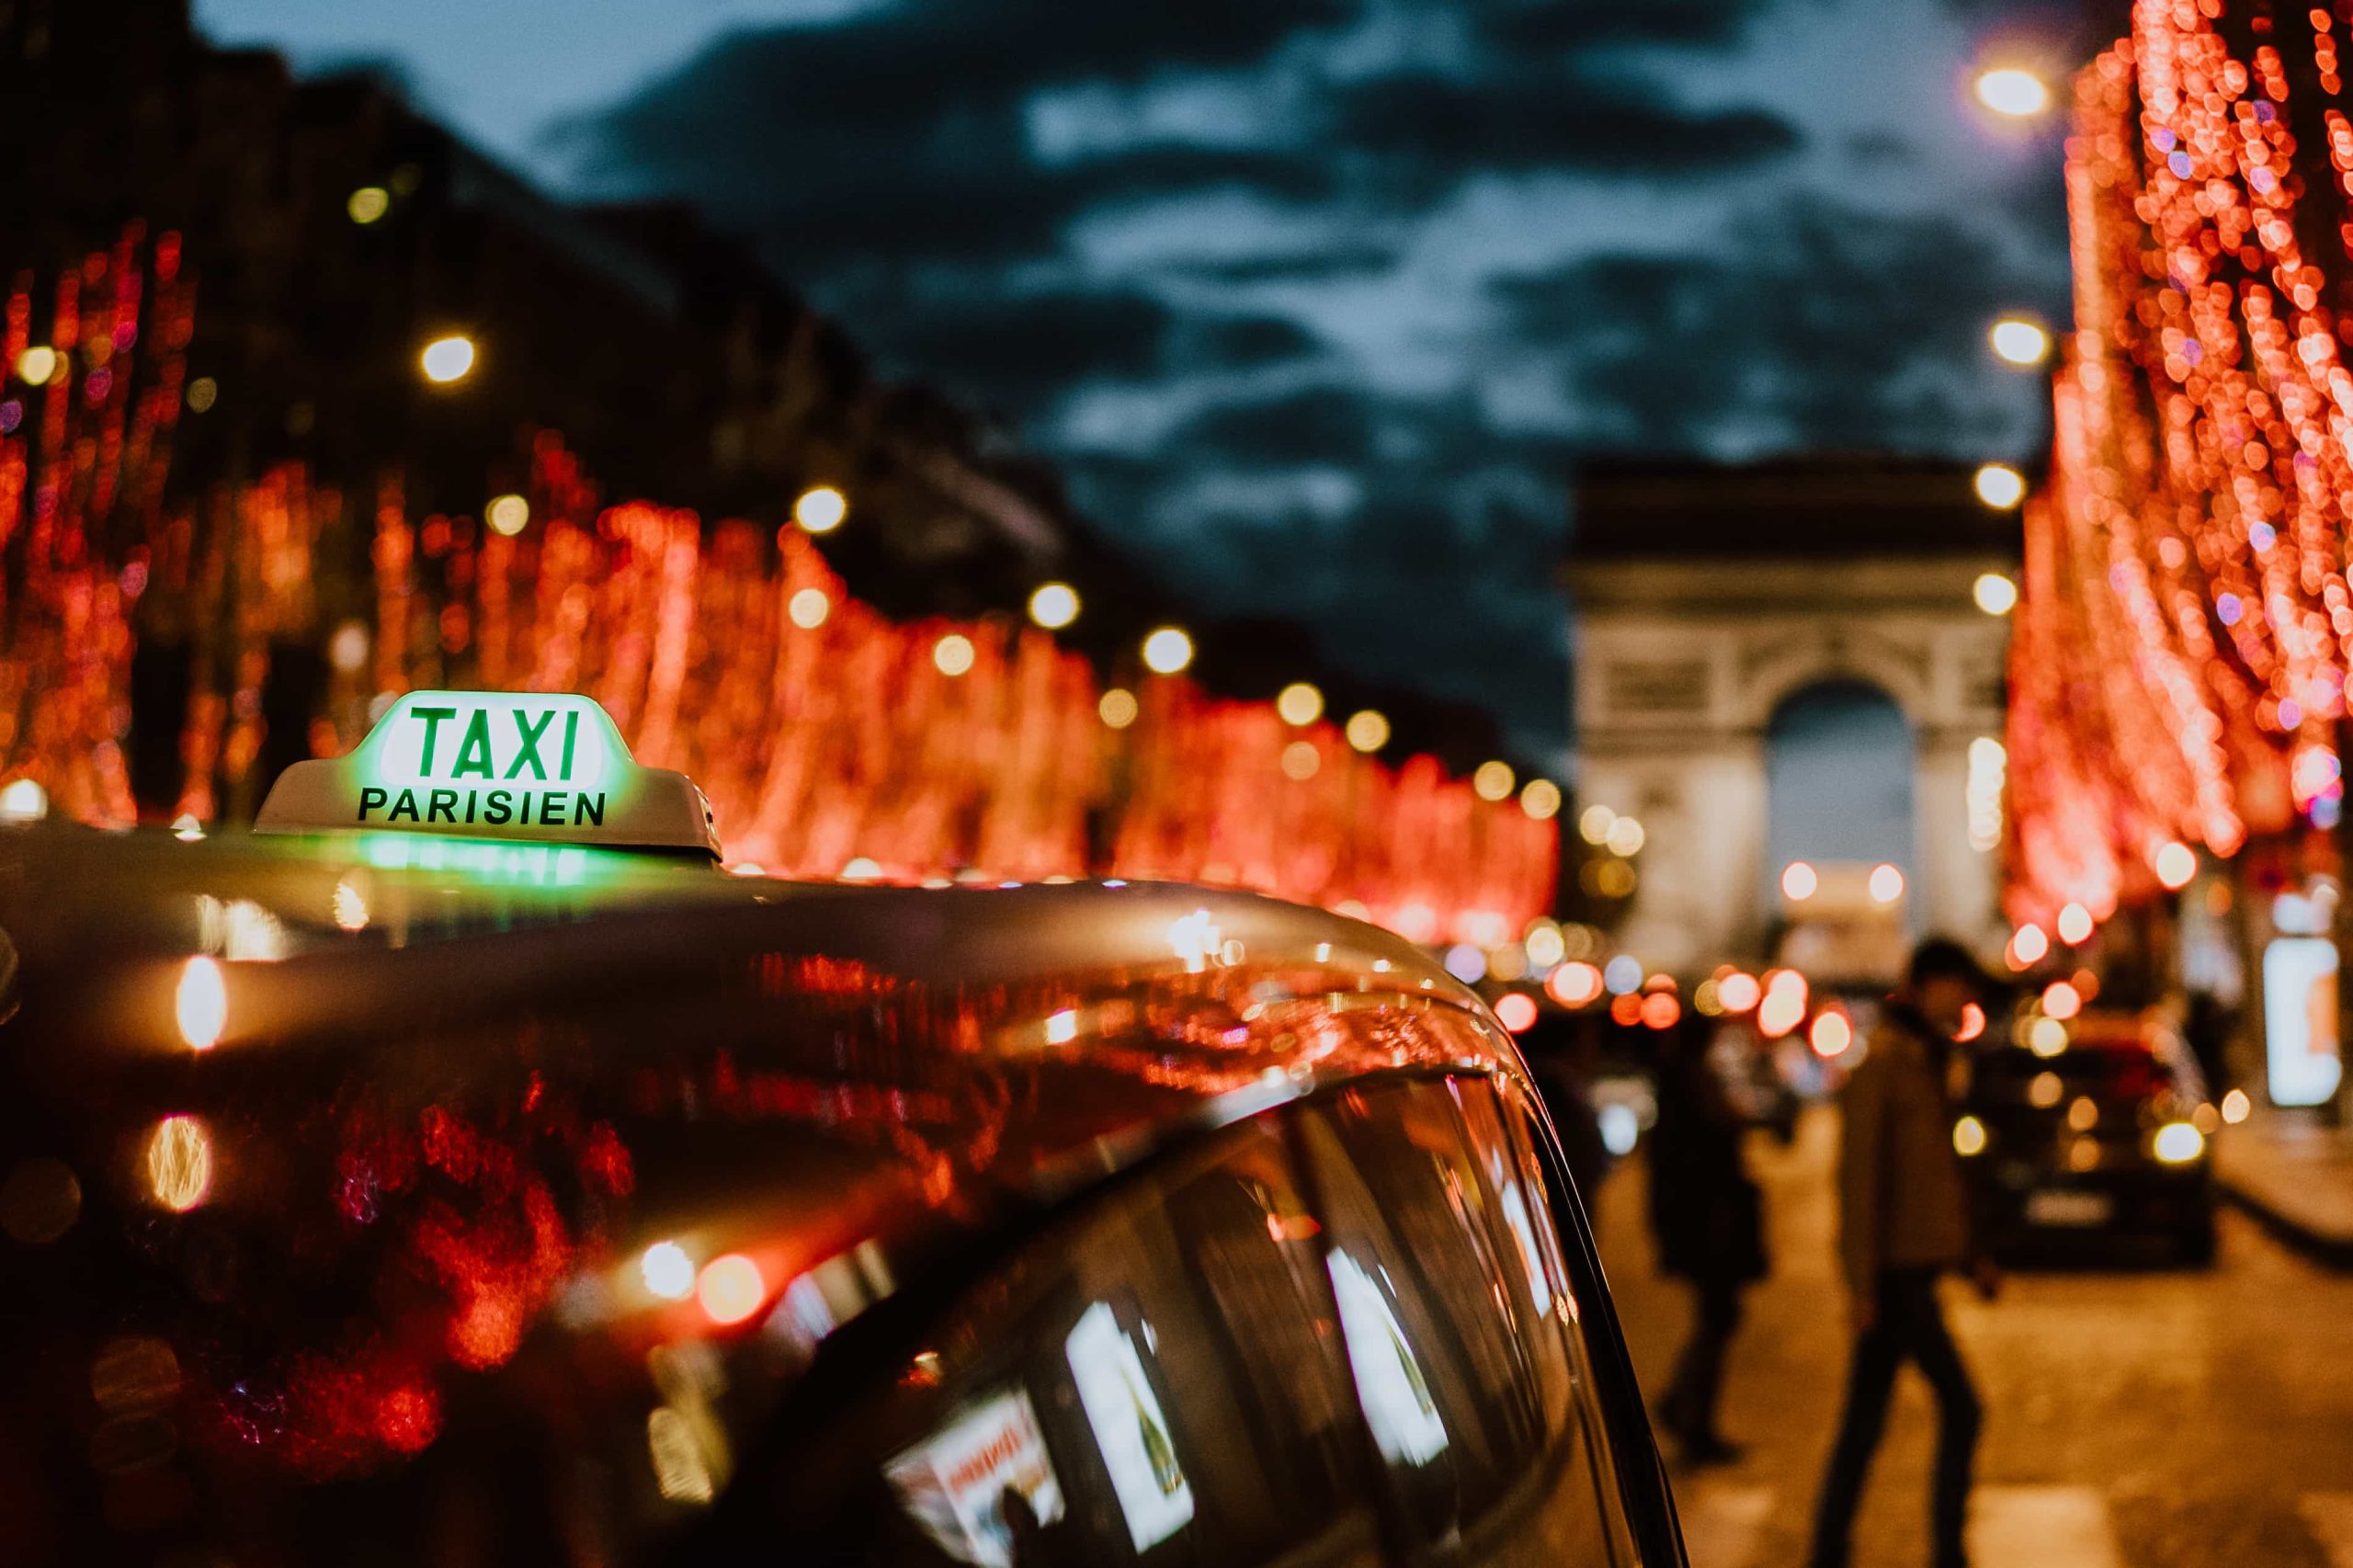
x,y
1710,604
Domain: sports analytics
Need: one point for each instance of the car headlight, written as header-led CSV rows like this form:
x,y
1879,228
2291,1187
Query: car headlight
x,y
2177,1144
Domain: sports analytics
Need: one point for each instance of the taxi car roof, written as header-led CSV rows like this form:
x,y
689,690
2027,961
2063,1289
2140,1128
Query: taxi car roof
x,y
84,897
353,945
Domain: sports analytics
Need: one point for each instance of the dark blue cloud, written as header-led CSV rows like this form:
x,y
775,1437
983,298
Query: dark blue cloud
x,y
1318,302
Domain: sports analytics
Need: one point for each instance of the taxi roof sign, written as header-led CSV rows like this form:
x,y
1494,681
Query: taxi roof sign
x,y
548,767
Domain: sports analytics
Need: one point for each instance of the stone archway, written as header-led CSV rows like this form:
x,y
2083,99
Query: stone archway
x,y
1704,598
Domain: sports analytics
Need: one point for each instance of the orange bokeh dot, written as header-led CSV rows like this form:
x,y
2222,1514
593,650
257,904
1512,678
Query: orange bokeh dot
x,y
730,1289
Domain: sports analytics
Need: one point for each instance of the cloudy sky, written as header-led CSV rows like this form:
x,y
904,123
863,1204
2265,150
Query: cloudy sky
x,y
1320,300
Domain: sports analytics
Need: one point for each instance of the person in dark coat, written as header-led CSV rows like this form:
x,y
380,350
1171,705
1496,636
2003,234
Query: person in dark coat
x,y
1905,1220
1707,1215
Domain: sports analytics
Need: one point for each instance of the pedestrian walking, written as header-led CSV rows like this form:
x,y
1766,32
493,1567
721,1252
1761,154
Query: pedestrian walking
x,y
1706,1216
1905,1223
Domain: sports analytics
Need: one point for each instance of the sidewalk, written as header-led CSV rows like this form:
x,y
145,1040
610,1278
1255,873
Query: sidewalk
x,y
2296,1176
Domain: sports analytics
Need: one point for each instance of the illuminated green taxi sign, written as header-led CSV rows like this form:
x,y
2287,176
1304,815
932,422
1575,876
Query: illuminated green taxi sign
x,y
547,768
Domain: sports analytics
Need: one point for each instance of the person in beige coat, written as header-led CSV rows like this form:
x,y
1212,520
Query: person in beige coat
x,y
1904,1222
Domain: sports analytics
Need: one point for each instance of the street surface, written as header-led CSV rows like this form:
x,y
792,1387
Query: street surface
x,y
2133,1419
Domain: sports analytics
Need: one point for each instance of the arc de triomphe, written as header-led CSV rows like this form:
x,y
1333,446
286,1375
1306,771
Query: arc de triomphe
x,y
1704,598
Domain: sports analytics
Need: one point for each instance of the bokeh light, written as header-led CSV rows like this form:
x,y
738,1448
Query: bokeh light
x,y
1300,704
369,204
1367,730
1627,838
1886,884
1799,881
23,801
667,1270
730,1289
1301,760
1994,593
2075,924
37,364
201,1003
447,359
1831,1035
1167,650
1574,985
506,515
1493,781
1053,606
2013,92
2020,341
952,654
1515,1011
820,509
1738,992
1540,799
2000,486
180,1162
2176,864
809,607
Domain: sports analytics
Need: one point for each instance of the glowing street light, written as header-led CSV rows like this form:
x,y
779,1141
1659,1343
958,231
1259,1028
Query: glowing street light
x,y
821,509
1300,704
447,359
2000,486
1493,781
507,515
2013,92
1994,593
809,607
952,654
1626,837
2021,341
369,204
1540,799
1368,731
1054,605
1167,650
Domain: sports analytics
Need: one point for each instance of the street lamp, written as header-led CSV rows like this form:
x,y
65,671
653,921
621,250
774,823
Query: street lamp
x,y
821,509
2021,341
507,515
447,359
2000,486
1300,704
2013,92
1054,605
1167,650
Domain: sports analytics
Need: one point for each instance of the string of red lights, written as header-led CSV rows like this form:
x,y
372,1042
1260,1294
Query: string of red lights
x,y
830,740
2179,664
